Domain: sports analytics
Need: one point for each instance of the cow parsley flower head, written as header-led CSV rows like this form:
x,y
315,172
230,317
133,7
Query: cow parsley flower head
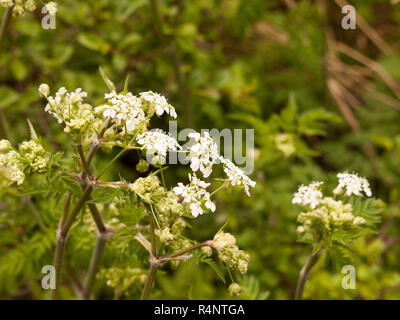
x,y
34,153
228,251
125,110
236,175
352,184
13,162
195,195
69,108
308,195
20,6
157,142
203,154
157,103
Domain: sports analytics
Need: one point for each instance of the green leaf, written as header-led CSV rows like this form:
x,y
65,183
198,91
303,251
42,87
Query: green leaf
x,y
32,131
93,42
215,267
107,81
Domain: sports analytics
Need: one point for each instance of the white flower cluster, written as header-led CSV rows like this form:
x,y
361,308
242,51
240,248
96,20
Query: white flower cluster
x,y
125,110
11,160
203,154
236,175
308,195
20,6
69,108
35,154
157,143
353,184
30,153
157,103
195,194
326,212
331,213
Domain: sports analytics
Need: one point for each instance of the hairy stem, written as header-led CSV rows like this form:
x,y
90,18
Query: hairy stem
x,y
151,277
95,263
310,263
57,263
62,233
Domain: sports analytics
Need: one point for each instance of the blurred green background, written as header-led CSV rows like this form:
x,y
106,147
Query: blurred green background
x,y
284,68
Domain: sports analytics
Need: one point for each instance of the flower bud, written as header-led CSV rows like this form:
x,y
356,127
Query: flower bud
x,y
207,250
44,90
234,289
223,239
142,166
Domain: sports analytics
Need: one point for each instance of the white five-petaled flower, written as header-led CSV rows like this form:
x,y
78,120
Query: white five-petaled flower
x,y
125,110
353,184
203,154
195,194
236,175
308,195
158,103
157,141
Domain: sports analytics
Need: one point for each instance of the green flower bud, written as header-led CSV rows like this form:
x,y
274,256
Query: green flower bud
x,y
234,289
142,166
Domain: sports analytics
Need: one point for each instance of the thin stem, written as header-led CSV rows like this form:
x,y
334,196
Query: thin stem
x,y
83,161
95,264
149,282
78,206
153,236
154,263
60,246
310,263
36,214
57,263
183,251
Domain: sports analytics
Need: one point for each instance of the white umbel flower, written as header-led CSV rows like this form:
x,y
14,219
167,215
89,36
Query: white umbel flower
x,y
195,195
158,142
236,175
125,110
158,103
308,195
203,154
352,184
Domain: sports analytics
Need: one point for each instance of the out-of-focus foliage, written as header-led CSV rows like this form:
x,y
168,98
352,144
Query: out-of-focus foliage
x,y
275,66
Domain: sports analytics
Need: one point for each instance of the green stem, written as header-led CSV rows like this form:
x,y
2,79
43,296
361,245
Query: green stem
x,y
149,282
305,271
57,263
60,246
154,263
95,264
78,206
183,251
